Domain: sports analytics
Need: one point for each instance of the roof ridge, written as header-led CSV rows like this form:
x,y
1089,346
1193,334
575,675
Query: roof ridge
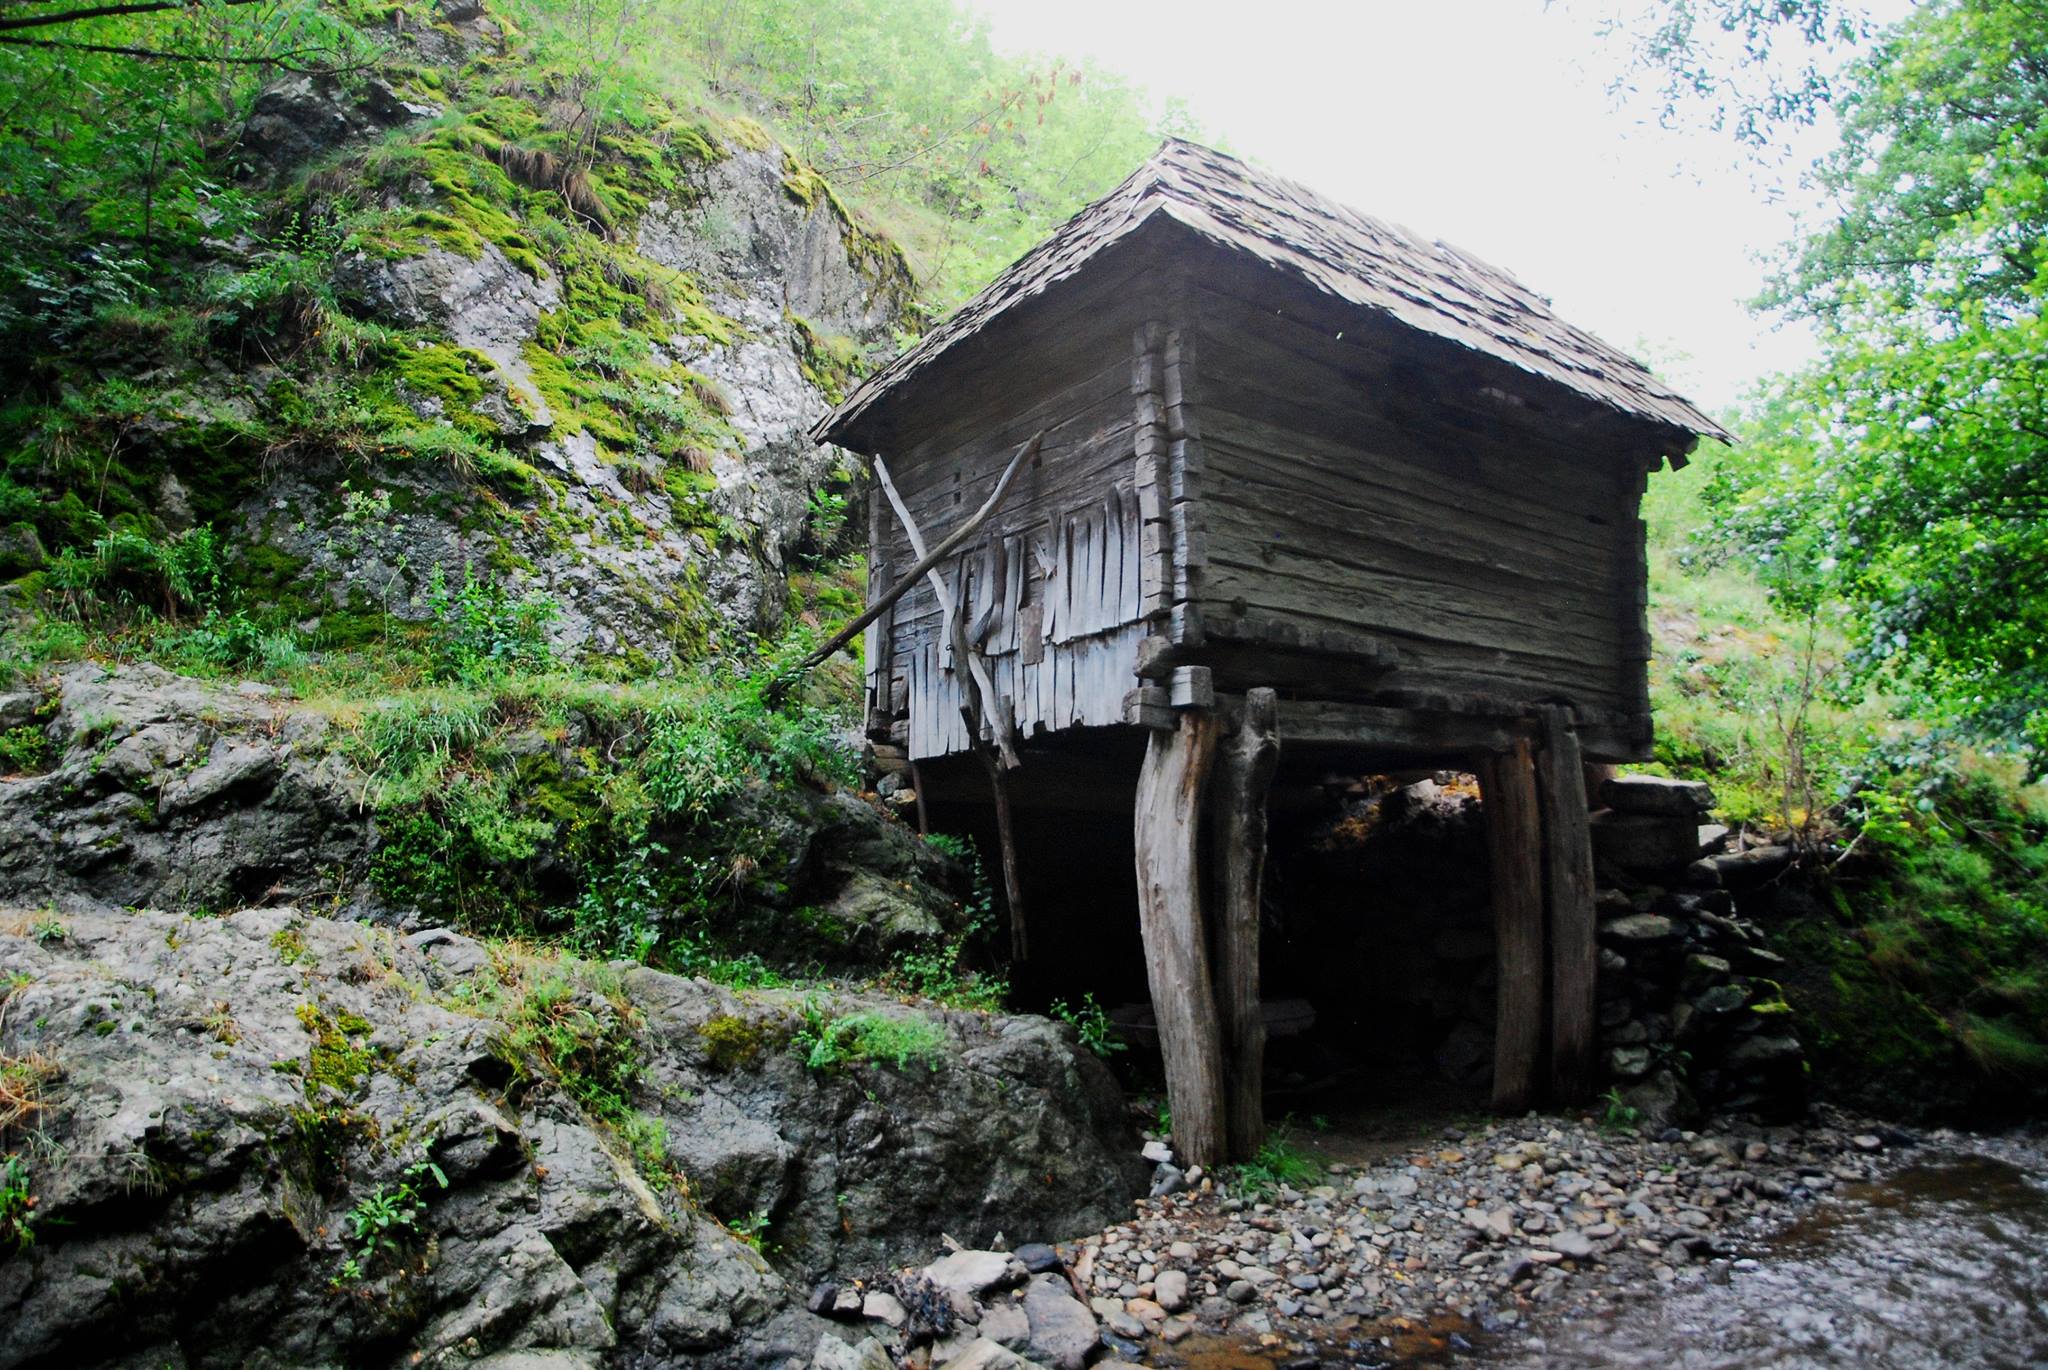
x,y
1426,284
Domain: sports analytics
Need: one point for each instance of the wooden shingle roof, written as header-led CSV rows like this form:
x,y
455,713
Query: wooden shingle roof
x,y
1428,286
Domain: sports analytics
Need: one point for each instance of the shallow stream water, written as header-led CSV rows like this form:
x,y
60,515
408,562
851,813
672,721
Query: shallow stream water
x,y
1943,1264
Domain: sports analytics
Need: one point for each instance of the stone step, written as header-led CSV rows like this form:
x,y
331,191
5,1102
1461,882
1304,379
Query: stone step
x,y
1656,794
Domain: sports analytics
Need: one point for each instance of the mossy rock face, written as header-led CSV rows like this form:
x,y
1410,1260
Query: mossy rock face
x,y
733,1043
21,550
495,337
838,882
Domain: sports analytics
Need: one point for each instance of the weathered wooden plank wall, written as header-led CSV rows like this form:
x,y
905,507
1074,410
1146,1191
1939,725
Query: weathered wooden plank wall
x,y
1497,557
1054,591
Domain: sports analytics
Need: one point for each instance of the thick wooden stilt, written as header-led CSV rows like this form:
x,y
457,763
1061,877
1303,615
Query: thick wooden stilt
x,y
1168,830
1237,818
1515,859
1568,877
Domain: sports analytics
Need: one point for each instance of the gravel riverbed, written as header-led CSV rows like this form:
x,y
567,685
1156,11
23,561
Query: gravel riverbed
x,y
1470,1231
1465,1233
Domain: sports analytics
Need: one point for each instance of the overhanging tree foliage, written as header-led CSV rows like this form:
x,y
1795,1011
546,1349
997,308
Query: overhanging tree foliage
x,y
1907,471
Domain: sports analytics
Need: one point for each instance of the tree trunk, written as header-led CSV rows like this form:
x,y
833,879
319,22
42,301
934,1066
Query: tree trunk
x,y
1237,817
1568,873
1515,859
1168,831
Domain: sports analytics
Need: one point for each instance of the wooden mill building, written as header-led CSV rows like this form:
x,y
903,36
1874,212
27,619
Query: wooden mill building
x,y
1260,475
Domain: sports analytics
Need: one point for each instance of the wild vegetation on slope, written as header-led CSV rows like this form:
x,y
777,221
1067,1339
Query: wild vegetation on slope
x,y
1916,921
1850,601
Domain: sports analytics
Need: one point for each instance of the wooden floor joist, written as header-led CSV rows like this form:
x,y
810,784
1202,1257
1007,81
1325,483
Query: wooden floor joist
x,y
1237,828
1515,857
1168,827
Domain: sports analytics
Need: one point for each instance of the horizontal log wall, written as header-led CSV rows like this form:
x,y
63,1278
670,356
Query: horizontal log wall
x,y
1344,491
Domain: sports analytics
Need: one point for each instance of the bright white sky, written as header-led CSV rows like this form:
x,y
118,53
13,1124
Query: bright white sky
x,y
1482,122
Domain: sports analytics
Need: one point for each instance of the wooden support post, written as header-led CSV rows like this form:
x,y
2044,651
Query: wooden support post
x,y
1013,870
924,822
1597,773
1237,812
1515,859
1168,830
1568,875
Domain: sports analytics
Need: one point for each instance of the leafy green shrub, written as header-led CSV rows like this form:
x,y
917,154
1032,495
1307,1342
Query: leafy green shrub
x,y
827,1043
935,973
127,569
702,750
621,908
221,642
479,631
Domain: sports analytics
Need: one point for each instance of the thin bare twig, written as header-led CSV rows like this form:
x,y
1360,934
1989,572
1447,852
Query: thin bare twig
x,y
38,21
284,61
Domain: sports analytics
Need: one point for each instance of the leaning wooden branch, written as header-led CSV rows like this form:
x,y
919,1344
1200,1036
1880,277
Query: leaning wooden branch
x,y
991,721
979,684
947,546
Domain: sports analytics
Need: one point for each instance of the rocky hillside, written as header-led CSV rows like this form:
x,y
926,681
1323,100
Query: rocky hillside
x,y
156,790
275,1139
459,431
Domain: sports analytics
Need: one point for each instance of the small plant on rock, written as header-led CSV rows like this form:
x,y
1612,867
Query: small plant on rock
x,y
829,1044
1620,1114
752,1229
1090,1023
24,749
388,1219
935,974
21,1087
573,1027
17,1207
1279,1163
